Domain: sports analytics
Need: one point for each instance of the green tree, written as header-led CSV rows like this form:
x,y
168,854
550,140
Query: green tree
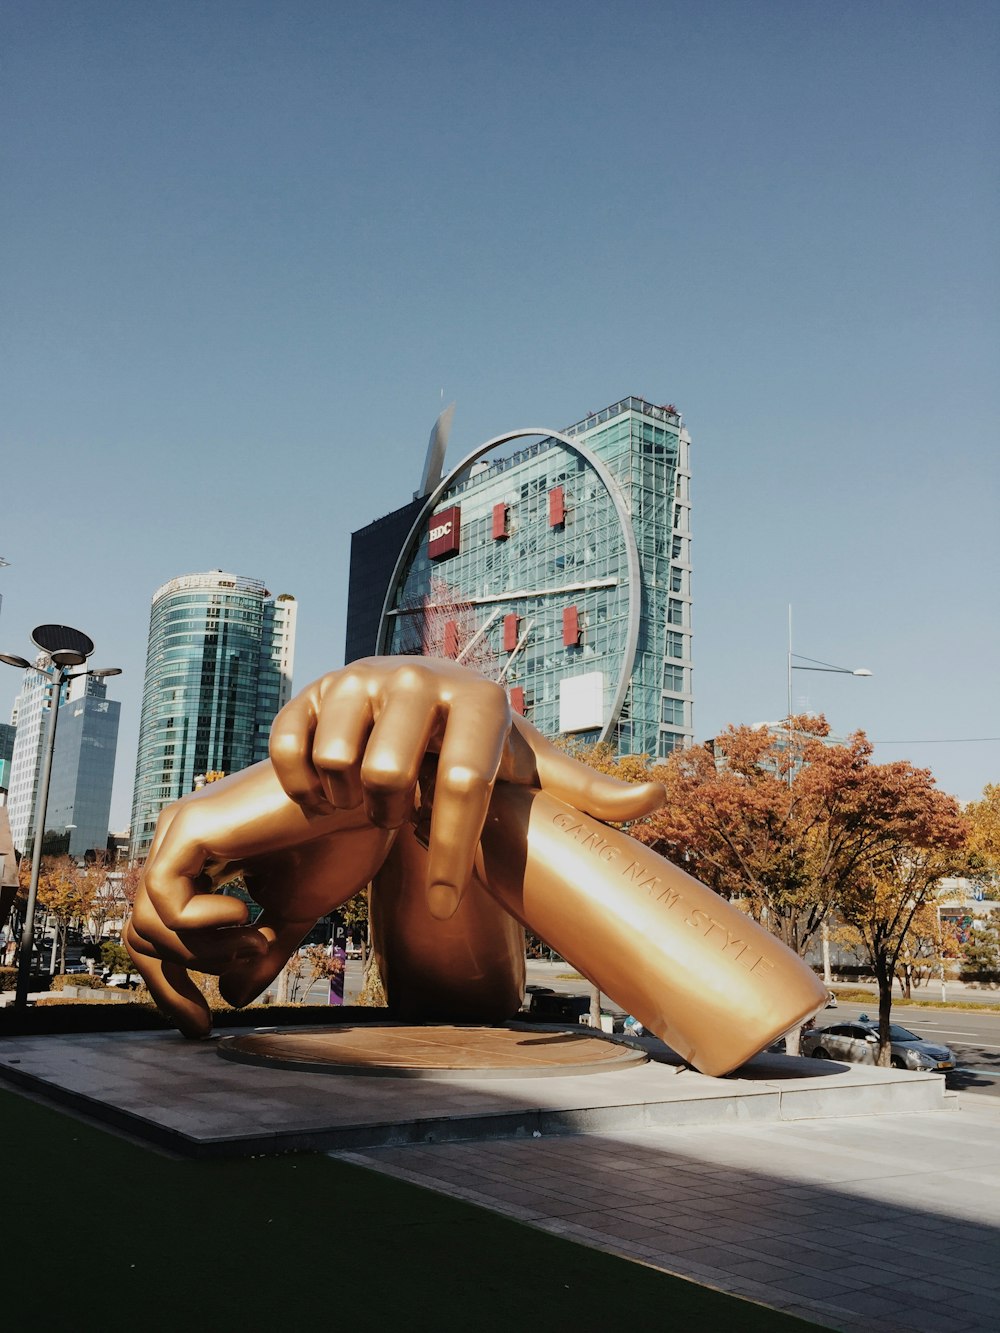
x,y
115,958
981,951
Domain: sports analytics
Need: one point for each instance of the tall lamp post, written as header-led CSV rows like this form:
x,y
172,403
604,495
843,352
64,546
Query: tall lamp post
x,y
66,648
812,664
809,664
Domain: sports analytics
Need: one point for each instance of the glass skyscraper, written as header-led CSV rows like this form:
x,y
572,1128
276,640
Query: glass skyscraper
x,y
218,668
83,764
28,716
83,770
560,565
6,755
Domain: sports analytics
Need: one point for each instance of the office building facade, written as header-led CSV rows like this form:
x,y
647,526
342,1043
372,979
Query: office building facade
x,y
560,565
7,734
28,718
83,770
374,552
83,764
218,668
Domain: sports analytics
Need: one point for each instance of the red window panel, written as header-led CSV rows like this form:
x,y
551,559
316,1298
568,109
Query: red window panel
x,y
451,638
499,522
517,699
557,507
571,626
510,632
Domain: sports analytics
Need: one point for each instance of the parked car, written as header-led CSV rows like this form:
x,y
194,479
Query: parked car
x,y
858,1043
551,1006
124,980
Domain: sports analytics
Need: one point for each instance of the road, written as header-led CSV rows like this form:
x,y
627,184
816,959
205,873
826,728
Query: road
x,y
972,1034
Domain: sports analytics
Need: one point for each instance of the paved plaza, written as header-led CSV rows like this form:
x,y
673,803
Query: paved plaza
x,y
852,1197
889,1222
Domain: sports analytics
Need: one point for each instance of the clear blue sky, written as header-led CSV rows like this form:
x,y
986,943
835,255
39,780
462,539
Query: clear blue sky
x,y
247,246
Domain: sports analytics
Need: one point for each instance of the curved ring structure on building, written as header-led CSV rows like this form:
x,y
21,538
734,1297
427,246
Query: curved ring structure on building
x,y
529,573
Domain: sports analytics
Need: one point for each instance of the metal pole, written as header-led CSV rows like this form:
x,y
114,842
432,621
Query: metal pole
x,y
789,713
41,806
595,1007
824,933
944,984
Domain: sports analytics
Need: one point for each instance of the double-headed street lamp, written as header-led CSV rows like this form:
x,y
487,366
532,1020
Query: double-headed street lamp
x,y
812,664
809,664
66,648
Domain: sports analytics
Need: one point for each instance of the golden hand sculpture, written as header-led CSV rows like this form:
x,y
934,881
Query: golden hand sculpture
x,y
411,773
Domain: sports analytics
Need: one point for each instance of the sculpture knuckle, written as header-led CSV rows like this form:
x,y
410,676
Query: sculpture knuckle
x,y
463,781
335,757
284,745
383,776
410,677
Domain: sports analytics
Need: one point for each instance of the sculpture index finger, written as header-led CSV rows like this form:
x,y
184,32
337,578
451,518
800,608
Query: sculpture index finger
x,y
475,734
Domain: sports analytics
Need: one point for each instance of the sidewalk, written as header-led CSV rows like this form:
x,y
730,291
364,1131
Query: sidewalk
x,y
889,1221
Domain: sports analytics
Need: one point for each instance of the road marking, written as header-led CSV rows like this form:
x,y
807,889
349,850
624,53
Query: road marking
x,y
953,1032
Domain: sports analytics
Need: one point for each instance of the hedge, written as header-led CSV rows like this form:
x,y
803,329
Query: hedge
x,y
67,1015
84,980
37,981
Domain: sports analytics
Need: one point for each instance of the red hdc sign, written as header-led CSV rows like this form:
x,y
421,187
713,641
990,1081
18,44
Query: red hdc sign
x,y
445,530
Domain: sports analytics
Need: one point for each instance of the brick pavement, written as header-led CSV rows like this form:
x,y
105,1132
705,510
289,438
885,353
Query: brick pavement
x,y
888,1221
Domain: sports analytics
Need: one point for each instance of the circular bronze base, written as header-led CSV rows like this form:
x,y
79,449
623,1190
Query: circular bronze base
x,y
392,1050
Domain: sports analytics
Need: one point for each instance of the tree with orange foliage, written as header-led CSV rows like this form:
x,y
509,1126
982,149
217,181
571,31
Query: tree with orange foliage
x,y
984,840
765,824
792,828
110,893
922,839
65,892
129,877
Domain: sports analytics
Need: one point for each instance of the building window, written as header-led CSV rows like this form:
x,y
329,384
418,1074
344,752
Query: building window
x,y
672,712
675,646
675,612
667,742
674,679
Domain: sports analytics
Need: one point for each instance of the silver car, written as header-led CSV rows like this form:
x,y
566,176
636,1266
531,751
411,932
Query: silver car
x,y
858,1043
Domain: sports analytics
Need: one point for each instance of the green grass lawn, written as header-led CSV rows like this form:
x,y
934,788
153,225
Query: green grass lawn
x,y
101,1234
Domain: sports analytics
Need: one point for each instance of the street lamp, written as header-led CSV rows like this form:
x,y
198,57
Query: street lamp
x,y
812,664
66,648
